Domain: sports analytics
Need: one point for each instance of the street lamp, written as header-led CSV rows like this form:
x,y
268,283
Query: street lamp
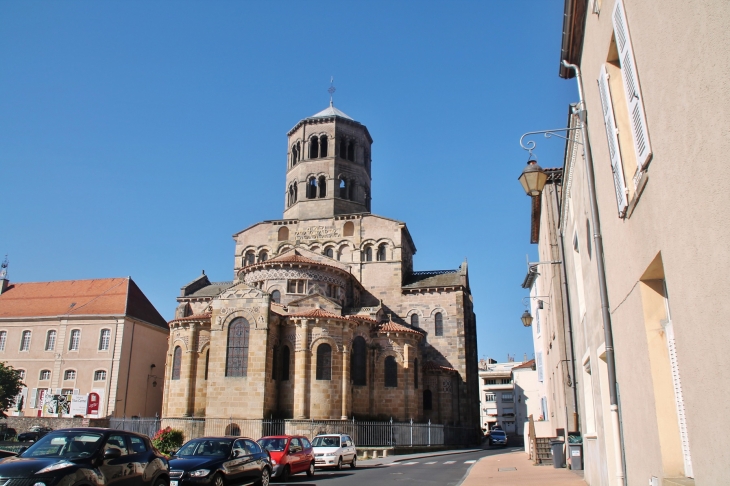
x,y
526,318
533,178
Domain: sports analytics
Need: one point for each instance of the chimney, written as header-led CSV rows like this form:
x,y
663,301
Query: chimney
x,y
4,283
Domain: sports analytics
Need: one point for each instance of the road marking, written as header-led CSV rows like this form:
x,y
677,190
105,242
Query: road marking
x,y
393,464
470,462
449,462
432,462
410,463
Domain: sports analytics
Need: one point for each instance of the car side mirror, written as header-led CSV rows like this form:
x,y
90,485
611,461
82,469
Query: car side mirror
x,y
22,450
112,453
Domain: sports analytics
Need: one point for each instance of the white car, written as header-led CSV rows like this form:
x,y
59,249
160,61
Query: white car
x,y
334,450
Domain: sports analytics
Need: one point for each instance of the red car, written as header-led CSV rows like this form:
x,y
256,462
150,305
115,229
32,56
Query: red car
x,y
290,454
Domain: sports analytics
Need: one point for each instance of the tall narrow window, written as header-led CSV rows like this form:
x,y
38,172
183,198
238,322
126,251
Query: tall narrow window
x,y
343,148
3,339
351,190
45,375
391,372
415,373
382,252
414,320
285,357
439,327
367,255
313,148
323,146
25,341
324,362
358,362
75,341
311,188
343,189
276,296
427,400
50,340
275,364
294,155
290,196
263,256
207,359
250,258
176,363
322,186
237,356
104,339
351,151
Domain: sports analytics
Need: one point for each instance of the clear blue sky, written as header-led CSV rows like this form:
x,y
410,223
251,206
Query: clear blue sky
x,y
136,137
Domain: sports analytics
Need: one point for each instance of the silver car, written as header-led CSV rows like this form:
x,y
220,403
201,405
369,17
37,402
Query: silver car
x,y
334,450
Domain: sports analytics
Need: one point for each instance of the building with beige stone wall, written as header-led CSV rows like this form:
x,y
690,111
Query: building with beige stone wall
x,y
77,337
325,317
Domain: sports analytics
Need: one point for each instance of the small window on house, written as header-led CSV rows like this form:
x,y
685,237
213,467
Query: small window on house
x,y
25,341
351,151
104,339
391,372
285,357
343,189
323,146
45,375
382,249
367,255
324,362
414,320
312,188
348,229
69,375
3,339
50,340
343,148
322,186
276,296
176,363
427,400
75,340
439,324
99,375
313,148
283,234
295,287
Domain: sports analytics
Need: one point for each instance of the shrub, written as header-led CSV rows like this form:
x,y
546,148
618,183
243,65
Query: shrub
x,y
168,440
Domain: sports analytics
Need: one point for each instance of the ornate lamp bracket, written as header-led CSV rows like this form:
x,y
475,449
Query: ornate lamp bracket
x,y
529,145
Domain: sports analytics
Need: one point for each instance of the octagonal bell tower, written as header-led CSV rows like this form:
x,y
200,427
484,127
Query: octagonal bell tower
x,y
328,167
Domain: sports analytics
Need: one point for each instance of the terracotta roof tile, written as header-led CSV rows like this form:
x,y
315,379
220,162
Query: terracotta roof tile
x,y
394,327
431,366
294,257
195,317
316,313
526,364
363,318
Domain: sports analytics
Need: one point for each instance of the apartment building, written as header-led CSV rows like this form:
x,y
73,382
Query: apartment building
x,y
497,395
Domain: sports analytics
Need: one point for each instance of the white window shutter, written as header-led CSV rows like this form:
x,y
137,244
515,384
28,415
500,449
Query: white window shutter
x,y
679,399
33,397
634,101
76,391
613,145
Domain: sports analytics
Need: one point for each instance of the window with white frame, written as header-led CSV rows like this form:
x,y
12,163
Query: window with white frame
x,y
73,344
99,375
490,397
508,397
25,341
104,339
50,340
3,339
490,381
45,375
69,375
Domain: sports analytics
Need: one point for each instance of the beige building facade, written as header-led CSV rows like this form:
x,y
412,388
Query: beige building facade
x,y
654,82
326,318
73,338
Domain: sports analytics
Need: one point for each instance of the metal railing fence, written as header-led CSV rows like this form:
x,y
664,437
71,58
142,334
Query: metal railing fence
x,y
363,433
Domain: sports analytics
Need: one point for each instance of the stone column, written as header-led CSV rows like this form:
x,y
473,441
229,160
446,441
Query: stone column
x,y
301,371
191,372
346,339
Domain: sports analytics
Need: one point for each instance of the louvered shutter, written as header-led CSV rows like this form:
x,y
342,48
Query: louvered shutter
x,y
630,74
613,145
679,399
33,396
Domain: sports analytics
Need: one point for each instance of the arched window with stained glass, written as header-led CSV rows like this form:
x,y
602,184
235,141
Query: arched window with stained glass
x,y
324,362
237,352
176,362
439,324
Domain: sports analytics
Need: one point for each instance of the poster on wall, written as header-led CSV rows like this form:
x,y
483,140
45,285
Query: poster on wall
x,y
56,404
78,404
92,407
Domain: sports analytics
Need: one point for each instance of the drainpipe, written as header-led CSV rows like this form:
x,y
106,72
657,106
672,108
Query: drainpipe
x,y
605,314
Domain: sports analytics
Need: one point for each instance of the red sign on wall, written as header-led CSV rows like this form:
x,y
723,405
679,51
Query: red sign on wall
x,y
92,408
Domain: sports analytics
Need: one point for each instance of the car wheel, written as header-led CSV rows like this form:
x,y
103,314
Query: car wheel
x,y
339,464
310,471
285,474
353,464
218,480
162,482
265,478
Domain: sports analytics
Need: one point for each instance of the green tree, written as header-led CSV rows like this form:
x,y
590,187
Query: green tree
x,y
10,387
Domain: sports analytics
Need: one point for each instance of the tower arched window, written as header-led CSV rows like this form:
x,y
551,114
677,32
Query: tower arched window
x,y
391,372
427,400
439,324
382,251
176,362
263,256
343,189
367,254
329,252
290,196
322,185
285,357
343,148
414,320
313,148
351,151
358,362
351,190
283,234
324,362
415,373
323,146
311,188
294,154
249,258
276,296
237,352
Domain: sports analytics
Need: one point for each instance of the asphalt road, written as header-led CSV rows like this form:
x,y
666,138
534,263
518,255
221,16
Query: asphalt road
x,y
447,470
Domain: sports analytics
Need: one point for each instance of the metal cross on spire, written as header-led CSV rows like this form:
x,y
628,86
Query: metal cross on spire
x,y
332,89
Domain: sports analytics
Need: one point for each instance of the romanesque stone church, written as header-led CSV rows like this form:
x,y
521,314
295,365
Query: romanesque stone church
x,y
325,317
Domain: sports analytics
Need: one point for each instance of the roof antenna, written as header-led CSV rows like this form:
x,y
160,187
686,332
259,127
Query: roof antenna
x,y
332,89
4,268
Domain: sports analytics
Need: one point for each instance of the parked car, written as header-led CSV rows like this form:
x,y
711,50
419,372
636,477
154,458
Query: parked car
x,y
35,433
498,437
334,450
7,433
89,456
290,454
217,461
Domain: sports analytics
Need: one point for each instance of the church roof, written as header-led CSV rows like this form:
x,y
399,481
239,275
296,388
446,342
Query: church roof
x,y
331,111
293,257
433,278
431,366
395,327
195,317
316,313
212,290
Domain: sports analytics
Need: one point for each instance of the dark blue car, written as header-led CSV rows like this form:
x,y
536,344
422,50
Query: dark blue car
x,y
220,461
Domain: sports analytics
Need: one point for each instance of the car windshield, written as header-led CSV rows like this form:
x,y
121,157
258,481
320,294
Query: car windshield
x,y
273,444
498,432
206,447
70,445
326,441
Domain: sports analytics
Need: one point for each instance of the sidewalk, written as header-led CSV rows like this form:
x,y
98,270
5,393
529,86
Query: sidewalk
x,y
380,461
515,468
